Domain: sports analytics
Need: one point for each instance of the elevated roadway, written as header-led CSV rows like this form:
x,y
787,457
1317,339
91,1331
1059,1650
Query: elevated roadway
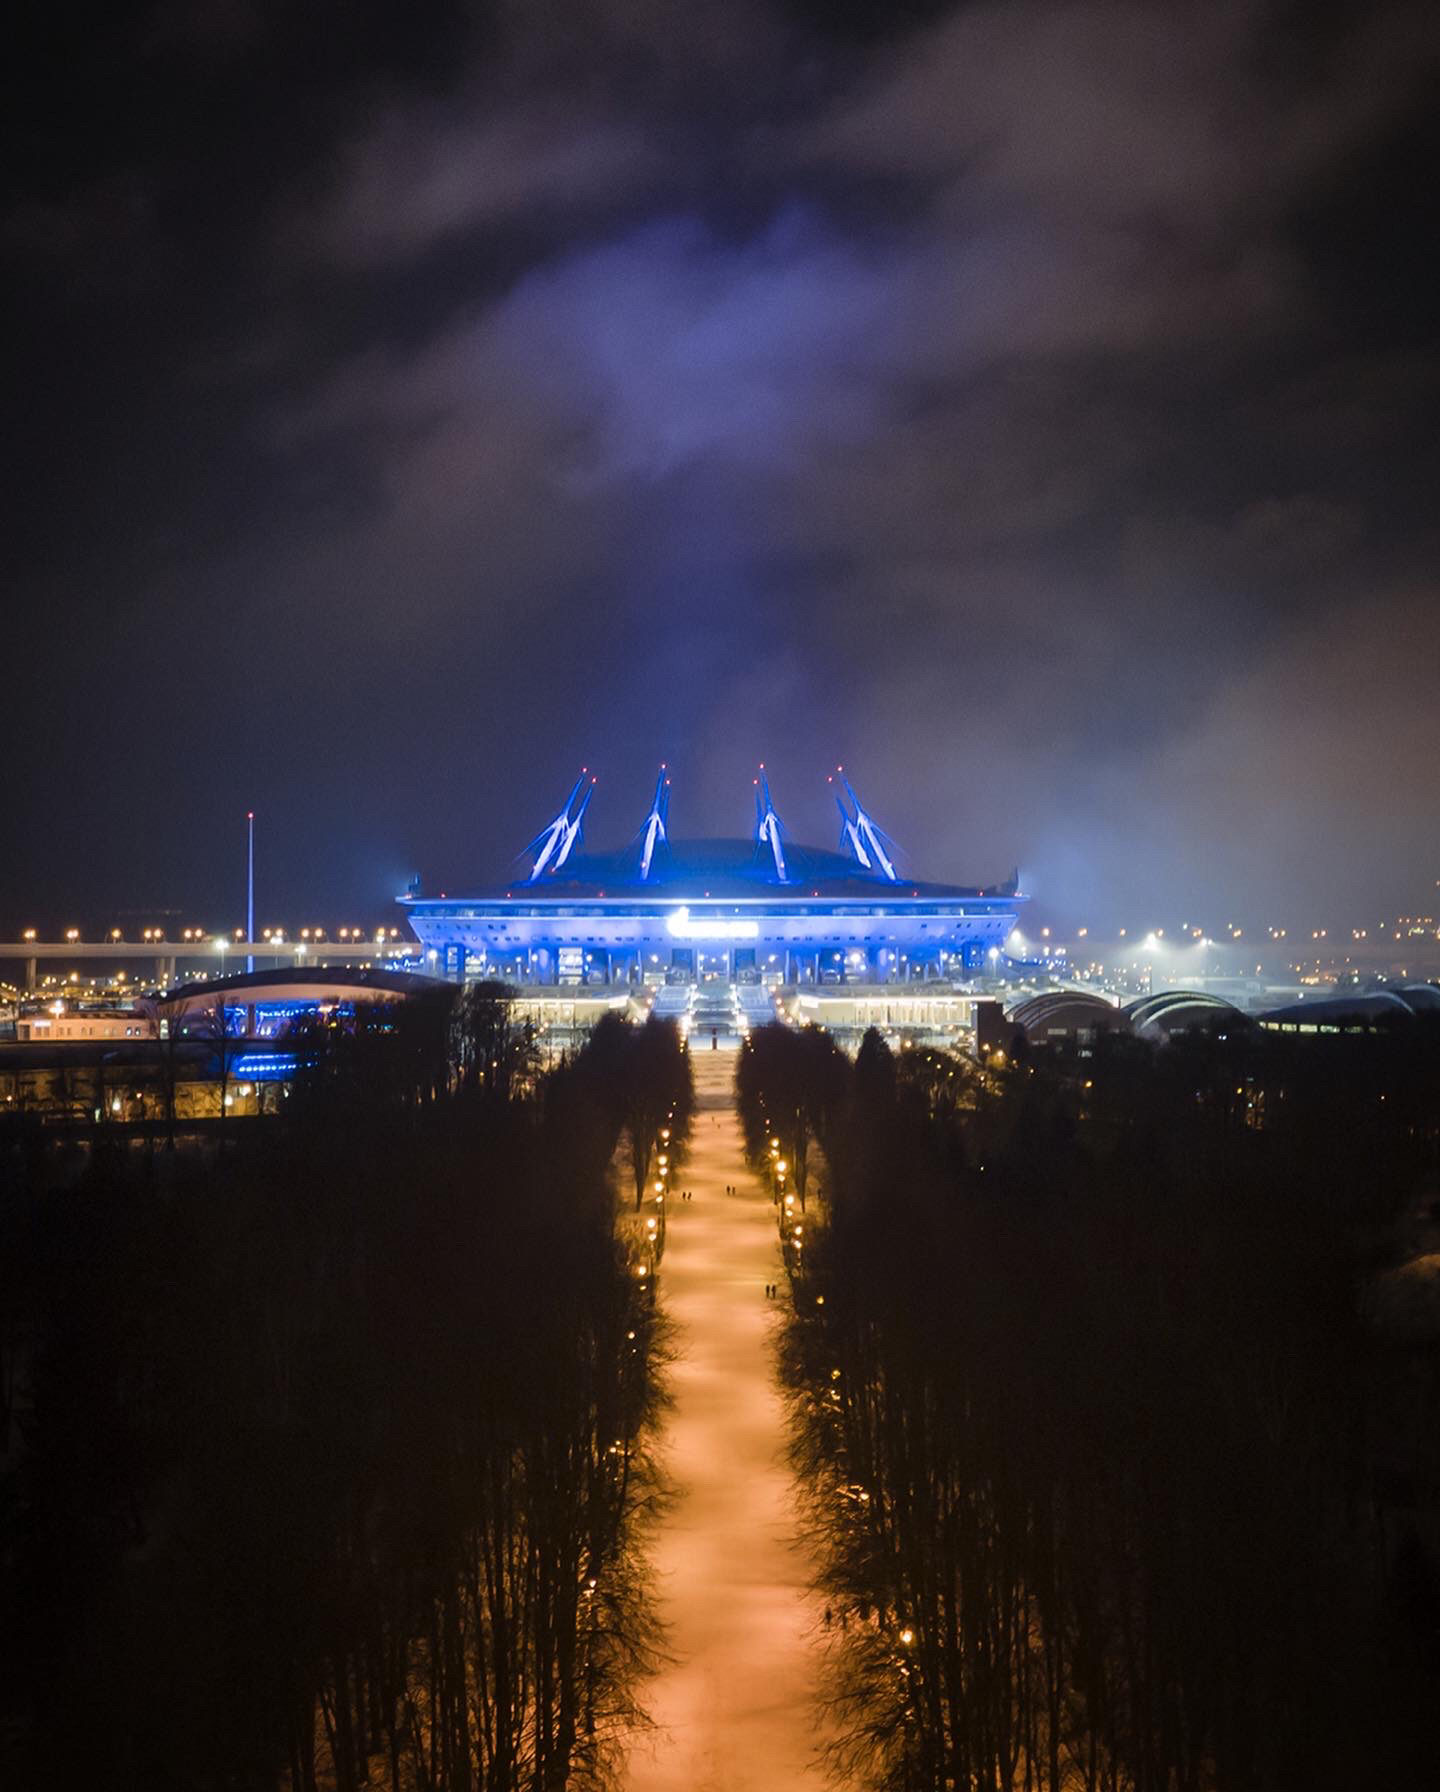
x,y
164,957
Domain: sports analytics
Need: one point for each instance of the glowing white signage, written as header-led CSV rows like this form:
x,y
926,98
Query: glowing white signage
x,y
681,927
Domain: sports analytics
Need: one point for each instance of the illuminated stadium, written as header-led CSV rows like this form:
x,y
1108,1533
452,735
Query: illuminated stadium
x,y
756,909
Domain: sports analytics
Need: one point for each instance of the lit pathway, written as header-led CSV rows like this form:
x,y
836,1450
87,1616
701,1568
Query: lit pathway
x,y
736,1710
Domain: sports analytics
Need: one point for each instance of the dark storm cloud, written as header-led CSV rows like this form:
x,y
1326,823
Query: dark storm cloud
x,y
413,182
988,402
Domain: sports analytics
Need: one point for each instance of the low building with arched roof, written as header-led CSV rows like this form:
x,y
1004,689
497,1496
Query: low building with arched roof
x,y
1161,1016
1056,1014
1363,1011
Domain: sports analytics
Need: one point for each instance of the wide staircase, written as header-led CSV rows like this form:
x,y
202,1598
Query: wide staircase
x,y
756,1004
714,1015
672,1002
724,1012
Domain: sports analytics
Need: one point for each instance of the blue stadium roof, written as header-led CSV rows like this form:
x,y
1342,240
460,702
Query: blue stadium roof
x,y
733,869
768,866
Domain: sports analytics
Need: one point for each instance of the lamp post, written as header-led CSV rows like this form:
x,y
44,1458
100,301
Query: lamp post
x,y
250,888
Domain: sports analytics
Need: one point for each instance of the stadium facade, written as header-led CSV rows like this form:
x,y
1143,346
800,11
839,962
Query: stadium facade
x,y
750,910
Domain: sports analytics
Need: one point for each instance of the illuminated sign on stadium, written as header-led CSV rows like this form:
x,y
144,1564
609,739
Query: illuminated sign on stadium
x,y
679,926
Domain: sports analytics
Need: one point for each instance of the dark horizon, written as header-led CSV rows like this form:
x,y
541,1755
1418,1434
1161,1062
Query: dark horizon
x,y
1027,405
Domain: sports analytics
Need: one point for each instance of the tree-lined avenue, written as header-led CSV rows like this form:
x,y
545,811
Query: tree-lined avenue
x,y
735,1708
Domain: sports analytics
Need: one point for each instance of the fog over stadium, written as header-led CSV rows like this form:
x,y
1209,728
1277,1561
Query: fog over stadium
x,y
1028,403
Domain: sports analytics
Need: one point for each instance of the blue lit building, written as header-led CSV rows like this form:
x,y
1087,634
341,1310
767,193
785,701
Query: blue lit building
x,y
746,909
267,1004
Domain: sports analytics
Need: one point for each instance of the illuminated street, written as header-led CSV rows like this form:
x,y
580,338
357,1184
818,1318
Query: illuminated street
x,y
735,1710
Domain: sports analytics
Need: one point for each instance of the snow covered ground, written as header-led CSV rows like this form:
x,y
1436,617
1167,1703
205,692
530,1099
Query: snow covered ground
x,y
736,1711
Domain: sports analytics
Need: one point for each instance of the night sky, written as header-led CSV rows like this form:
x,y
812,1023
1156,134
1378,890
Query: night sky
x,y
1032,405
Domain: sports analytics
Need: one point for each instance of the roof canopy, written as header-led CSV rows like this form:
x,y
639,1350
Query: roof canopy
x,y
690,870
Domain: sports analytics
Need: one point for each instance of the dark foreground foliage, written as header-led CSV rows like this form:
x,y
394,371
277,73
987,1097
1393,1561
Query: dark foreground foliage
x,y
648,1087
331,1451
1113,1482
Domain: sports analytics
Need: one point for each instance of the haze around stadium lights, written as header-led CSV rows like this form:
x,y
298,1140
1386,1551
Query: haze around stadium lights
x,y
679,926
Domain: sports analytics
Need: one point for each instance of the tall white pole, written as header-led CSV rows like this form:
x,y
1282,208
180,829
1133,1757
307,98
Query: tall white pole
x,y
250,889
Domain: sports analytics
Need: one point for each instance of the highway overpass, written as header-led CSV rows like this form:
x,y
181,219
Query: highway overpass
x,y
162,961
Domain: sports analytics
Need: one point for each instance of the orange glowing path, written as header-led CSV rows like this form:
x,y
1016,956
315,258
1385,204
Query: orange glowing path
x,y
736,1709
